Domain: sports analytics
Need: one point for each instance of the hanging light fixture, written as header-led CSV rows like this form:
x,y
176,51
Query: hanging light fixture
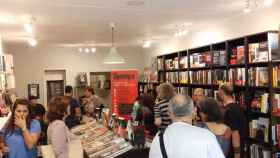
x,y
113,56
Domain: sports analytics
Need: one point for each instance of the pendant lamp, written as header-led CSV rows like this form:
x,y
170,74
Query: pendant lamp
x,y
113,56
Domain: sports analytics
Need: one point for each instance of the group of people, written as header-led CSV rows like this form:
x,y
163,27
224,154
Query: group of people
x,y
30,125
198,127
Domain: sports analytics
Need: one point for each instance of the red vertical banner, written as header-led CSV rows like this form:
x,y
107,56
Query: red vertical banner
x,y
124,91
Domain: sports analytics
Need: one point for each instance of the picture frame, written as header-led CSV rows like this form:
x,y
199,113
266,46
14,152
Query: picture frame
x,y
33,90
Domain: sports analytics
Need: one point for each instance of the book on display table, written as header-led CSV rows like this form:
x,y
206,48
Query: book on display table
x,y
99,142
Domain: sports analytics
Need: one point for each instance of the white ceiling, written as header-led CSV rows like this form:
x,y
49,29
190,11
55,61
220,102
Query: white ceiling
x,y
87,21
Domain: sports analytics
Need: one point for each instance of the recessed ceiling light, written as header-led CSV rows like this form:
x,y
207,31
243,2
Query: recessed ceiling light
x,y
28,28
268,3
247,10
33,42
87,50
93,50
147,44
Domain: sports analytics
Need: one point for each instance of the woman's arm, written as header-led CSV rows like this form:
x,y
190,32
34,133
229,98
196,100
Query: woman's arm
x,y
32,135
30,139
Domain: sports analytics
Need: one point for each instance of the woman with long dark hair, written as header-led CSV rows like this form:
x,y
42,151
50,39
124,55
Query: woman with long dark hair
x,y
22,133
212,119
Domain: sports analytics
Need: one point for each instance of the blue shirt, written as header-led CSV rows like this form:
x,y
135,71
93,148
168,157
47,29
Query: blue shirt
x,y
16,144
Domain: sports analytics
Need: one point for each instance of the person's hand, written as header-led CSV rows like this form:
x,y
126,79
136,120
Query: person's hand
x,y
20,121
5,149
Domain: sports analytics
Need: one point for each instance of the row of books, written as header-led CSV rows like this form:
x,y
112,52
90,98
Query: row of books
x,y
219,76
200,77
182,90
257,52
171,64
146,88
161,77
260,102
259,129
237,76
172,77
99,142
206,92
275,134
237,55
200,59
257,151
160,63
258,76
183,77
276,76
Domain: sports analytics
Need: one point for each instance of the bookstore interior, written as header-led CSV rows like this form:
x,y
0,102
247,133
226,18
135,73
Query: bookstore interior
x,y
85,79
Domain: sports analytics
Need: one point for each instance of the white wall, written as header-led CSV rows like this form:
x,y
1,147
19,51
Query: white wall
x,y
240,25
30,63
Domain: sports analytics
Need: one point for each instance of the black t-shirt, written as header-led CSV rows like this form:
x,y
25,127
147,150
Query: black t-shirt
x,y
38,110
234,118
74,102
71,121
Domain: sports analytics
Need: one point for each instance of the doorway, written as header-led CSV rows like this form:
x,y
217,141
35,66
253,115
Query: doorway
x,y
54,89
54,82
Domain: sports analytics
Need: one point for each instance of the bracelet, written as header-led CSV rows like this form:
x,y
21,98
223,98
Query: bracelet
x,y
236,150
24,129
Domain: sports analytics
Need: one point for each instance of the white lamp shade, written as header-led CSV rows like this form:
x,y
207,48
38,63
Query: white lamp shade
x,y
113,57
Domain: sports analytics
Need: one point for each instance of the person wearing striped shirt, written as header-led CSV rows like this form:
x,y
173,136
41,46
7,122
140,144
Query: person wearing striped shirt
x,y
162,119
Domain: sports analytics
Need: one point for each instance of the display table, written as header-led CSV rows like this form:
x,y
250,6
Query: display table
x,y
99,142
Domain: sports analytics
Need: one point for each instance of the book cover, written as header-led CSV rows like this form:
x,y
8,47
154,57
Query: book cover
x,y
216,58
262,76
253,47
240,55
223,58
262,53
233,56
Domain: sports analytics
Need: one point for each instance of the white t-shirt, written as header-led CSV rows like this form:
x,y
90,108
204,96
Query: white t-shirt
x,y
182,140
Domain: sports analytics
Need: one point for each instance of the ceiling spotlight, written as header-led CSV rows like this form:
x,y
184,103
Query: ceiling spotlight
x,y
93,50
28,28
33,42
268,3
87,50
147,44
247,10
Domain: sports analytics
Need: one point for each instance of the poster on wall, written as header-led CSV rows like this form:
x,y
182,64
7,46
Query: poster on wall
x,y
33,90
124,91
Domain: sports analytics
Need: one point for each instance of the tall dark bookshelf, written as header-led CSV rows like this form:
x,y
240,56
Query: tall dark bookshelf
x,y
242,89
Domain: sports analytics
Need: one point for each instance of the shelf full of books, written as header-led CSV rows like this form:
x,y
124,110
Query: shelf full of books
x,y
99,142
251,63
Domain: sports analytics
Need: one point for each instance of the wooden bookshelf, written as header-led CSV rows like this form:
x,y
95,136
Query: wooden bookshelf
x,y
216,51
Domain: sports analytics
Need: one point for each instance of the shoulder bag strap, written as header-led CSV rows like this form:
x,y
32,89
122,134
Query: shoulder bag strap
x,y
162,147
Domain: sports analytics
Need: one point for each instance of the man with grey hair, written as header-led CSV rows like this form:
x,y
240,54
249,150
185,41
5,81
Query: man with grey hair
x,y
181,139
